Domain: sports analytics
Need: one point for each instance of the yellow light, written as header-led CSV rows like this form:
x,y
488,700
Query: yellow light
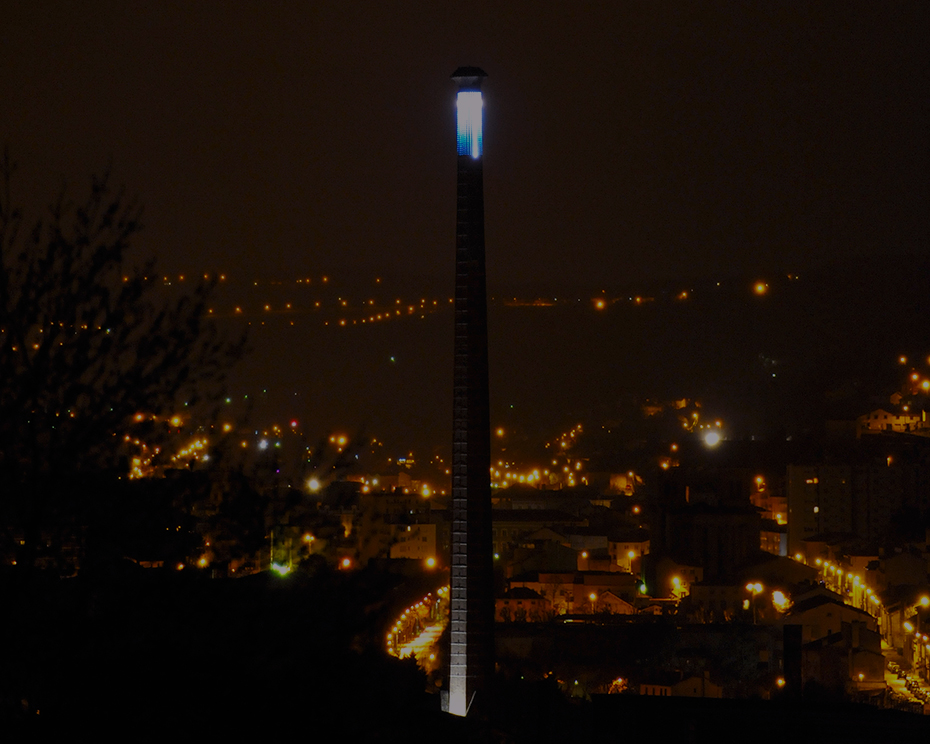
x,y
175,421
908,627
313,484
780,681
431,562
925,601
346,562
761,288
593,597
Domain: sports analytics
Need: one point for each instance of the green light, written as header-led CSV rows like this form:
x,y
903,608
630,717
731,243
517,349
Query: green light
x,y
281,569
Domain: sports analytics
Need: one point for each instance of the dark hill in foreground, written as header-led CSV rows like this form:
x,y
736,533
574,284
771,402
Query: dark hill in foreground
x,y
148,654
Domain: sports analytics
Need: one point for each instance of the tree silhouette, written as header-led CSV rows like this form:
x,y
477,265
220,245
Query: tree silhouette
x,y
86,343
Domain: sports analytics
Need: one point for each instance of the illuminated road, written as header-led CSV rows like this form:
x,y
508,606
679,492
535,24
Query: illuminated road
x,y
416,632
423,647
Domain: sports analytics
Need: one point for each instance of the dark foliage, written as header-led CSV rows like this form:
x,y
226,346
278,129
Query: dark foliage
x,y
86,342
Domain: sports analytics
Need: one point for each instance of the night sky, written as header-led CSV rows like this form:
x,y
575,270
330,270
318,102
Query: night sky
x,y
625,143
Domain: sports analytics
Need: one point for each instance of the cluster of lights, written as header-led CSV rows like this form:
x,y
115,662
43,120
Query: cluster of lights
x,y
921,640
169,280
710,434
399,311
506,474
411,616
141,463
368,311
915,384
563,468
836,574
601,303
193,451
566,440
32,342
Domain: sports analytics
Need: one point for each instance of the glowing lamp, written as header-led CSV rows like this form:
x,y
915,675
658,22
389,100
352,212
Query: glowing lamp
x,y
468,123
469,111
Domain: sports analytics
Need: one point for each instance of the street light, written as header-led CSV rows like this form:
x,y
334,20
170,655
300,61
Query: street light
x,y
755,588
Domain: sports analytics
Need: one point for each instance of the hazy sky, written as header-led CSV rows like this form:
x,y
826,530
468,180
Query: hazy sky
x,y
624,140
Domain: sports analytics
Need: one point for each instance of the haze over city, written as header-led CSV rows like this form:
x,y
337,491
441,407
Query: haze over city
x,y
633,150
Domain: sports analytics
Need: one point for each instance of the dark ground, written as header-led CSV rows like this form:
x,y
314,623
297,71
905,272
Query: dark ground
x,y
142,654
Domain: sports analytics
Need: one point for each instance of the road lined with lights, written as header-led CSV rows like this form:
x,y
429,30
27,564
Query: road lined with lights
x,y
418,628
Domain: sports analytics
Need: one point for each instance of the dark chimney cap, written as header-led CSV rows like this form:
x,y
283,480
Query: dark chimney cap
x,y
469,78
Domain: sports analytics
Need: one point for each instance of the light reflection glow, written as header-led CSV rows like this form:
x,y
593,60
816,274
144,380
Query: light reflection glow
x,y
469,121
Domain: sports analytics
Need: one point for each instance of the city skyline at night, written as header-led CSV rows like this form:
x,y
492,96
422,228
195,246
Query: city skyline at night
x,y
641,447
